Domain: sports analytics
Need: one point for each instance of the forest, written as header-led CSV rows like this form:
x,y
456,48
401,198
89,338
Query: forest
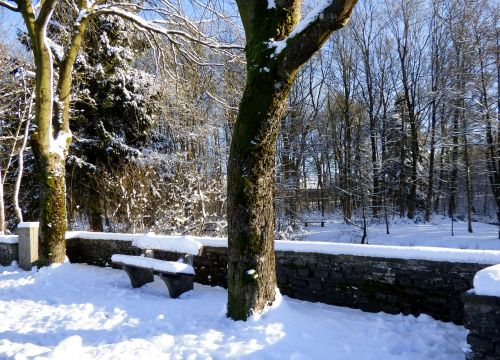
x,y
397,116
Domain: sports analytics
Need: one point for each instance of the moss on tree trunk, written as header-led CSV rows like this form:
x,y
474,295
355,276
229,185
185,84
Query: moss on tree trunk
x,y
53,223
270,73
251,269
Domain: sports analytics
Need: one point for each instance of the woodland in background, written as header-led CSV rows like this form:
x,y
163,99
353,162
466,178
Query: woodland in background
x,y
398,115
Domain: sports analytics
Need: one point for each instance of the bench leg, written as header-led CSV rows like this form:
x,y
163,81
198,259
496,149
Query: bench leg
x,y
178,284
138,277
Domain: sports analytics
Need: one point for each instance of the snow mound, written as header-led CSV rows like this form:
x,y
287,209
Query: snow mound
x,y
154,264
487,281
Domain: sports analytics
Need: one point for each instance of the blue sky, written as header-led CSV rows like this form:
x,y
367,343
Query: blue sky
x,y
10,22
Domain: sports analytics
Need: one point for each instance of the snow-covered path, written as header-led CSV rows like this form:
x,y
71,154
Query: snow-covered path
x,y
83,312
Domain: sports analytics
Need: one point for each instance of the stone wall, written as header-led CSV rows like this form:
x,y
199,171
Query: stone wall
x,y
368,283
8,253
482,319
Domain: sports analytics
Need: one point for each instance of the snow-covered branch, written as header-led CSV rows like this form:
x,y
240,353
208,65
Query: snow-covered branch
x,y
8,5
158,27
312,31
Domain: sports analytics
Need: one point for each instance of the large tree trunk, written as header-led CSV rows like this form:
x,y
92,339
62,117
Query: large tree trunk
x,y
51,139
53,223
271,69
250,210
51,167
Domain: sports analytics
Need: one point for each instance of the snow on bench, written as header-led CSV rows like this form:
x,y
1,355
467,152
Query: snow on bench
x,y
178,277
487,281
153,264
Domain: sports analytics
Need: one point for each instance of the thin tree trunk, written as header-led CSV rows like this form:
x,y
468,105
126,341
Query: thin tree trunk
x,y
468,180
435,71
2,205
430,183
454,164
17,209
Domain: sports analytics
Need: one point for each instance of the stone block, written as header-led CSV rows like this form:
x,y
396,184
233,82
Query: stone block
x,y
478,343
315,285
303,273
28,244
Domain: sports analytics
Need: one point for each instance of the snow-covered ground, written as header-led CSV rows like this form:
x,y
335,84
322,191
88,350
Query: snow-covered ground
x,y
436,233
83,312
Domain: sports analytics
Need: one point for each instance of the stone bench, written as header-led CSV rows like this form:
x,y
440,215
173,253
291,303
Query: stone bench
x,y
178,277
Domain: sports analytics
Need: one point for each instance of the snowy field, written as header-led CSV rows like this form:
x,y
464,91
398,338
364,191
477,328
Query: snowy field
x,y
76,311
436,233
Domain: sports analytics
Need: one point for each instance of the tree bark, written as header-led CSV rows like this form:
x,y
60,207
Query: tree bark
x,y
2,205
52,137
53,222
252,275
270,73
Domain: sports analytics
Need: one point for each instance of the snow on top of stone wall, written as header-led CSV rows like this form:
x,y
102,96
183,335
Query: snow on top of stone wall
x,y
174,243
398,252
90,235
8,239
181,244
487,281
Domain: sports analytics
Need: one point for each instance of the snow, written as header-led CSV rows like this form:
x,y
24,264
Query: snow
x,y
182,244
192,245
436,233
312,16
9,239
89,235
396,252
385,251
487,281
98,315
58,145
25,225
155,264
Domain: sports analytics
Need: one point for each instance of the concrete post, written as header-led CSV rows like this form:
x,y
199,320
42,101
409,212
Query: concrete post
x,y
28,244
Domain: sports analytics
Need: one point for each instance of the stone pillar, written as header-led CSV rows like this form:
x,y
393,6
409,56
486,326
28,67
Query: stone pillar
x,y
28,244
482,319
